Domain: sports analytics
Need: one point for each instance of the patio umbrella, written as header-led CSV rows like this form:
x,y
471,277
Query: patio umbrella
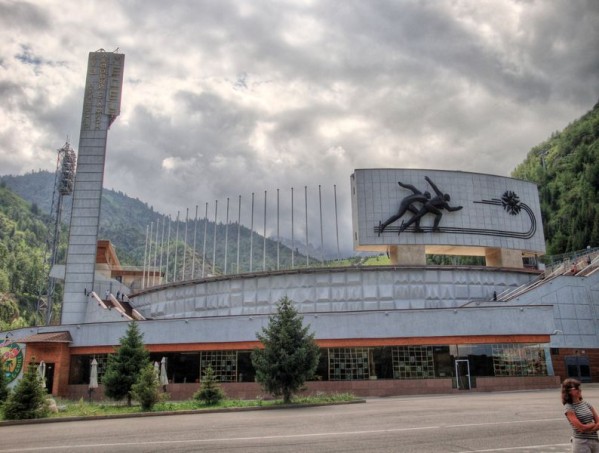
x,y
93,377
157,370
163,376
41,371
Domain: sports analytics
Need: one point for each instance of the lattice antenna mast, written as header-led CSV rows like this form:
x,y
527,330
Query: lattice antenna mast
x,y
63,186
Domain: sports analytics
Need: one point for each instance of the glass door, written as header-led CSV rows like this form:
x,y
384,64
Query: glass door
x,y
462,374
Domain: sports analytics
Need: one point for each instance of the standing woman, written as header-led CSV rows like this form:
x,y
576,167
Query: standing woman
x,y
583,418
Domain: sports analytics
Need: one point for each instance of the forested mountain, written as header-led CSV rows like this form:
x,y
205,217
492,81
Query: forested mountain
x,y
23,274
566,169
123,221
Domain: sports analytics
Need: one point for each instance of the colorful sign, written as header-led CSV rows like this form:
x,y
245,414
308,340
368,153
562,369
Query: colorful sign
x,y
12,360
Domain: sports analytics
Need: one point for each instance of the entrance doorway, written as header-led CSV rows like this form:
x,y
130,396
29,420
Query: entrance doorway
x,y
578,367
49,377
462,374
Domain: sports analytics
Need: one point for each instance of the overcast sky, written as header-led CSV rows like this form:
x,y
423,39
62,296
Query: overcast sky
x,y
224,98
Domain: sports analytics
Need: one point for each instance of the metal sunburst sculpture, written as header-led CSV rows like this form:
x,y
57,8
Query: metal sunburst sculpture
x,y
511,202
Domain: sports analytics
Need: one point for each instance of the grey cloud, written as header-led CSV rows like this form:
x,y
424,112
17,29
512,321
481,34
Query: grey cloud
x,y
408,84
24,16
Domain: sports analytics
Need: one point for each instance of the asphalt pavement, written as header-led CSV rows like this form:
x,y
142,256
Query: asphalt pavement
x,y
518,422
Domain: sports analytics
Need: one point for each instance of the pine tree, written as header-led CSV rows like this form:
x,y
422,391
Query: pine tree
x,y
290,355
3,384
125,365
28,400
210,391
145,390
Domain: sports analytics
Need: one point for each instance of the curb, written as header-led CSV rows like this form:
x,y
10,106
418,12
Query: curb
x,y
38,421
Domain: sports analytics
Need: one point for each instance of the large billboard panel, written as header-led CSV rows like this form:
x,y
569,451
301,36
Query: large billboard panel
x,y
444,208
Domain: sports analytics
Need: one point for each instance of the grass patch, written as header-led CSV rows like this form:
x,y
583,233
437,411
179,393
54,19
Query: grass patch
x,y
83,408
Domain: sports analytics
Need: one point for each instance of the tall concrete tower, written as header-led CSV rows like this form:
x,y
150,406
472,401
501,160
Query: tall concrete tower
x,y
101,106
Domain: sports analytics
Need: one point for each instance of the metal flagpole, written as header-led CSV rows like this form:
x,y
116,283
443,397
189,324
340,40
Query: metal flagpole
x,y
195,235
143,275
238,230
185,244
161,247
292,237
264,237
321,236
176,247
156,252
252,236
168,246
148,280
204,246
278,233
214,238
336,221
307,245
226,237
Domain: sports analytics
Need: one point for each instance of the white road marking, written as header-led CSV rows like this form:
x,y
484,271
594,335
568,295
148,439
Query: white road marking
x,y
292,436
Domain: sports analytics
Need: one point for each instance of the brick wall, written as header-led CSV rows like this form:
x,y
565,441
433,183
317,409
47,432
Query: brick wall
x,y
559,361
56,353
367,388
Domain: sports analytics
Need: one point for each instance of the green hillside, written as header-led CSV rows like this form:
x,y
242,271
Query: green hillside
x,y
566,169
23,272
123,221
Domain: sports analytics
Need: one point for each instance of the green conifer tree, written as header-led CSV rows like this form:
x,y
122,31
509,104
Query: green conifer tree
x,y
146,389
290,354
28,400
125,365
210,391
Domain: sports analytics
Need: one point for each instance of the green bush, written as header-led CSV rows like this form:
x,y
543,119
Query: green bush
x,y
28,400
210,392
146,389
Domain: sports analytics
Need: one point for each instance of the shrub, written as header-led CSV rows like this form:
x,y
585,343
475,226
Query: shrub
x,y
28,400
210,391
145,390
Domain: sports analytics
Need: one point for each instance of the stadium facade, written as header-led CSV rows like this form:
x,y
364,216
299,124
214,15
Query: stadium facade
x,y
407,327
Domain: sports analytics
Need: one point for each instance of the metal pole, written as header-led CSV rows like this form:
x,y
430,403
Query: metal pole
x,y
321,236
292,237
156,252
278,233
214,239
264,237
204,246
150,252
185,243
252,235
176,247
238,230
195,235
226,237
168,247
307,244
143,275
336,221
161,248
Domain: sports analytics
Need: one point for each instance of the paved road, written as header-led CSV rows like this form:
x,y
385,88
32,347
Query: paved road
x,y
516,422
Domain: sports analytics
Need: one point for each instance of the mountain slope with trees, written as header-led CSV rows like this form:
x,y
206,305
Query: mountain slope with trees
x,y
566,169
123,221
23,270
